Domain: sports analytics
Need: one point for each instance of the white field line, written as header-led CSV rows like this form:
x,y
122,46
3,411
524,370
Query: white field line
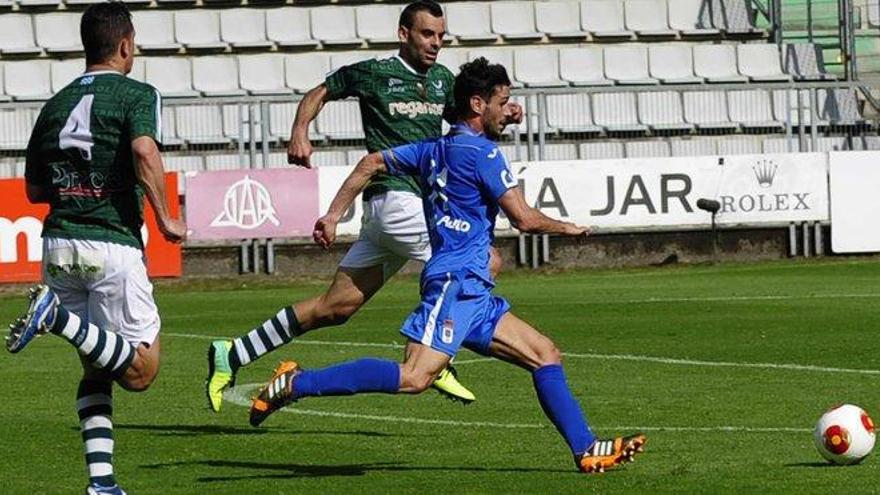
x,y
239,396
571,355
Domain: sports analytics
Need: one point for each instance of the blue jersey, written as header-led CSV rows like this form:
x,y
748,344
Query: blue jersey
x,y
462,175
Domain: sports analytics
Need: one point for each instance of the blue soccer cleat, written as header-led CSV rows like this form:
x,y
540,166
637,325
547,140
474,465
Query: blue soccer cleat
x,y
40,316
96,489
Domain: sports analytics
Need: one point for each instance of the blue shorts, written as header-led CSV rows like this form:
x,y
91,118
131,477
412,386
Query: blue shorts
x,y
456,310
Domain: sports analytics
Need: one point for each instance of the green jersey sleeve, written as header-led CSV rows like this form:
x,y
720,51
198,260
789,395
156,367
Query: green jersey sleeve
x,y
349,80
34,171
145,116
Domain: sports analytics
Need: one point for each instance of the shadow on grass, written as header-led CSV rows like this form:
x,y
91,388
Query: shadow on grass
x,y
203,430
815,464
291,471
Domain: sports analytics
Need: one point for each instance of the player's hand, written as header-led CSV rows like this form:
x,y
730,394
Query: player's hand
x,y
515,113
299,152
325,231
576,230
173,230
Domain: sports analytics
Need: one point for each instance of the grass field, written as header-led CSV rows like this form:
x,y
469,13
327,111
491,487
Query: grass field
x,y
726,368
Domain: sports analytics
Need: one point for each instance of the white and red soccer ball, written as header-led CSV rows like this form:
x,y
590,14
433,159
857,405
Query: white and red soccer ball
x,y
844,434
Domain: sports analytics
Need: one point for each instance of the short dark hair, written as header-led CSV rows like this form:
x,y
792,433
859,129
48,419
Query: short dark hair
x,y
408,16
479,78
102,27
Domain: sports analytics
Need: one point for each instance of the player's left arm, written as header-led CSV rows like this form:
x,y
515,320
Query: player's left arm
x,y
36,186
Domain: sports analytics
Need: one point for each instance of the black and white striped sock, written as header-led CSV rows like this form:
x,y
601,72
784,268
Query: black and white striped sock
x,y
102,349
94,405
273,333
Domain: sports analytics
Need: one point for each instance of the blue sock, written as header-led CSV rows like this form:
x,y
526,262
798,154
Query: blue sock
x,y
562,408
353,377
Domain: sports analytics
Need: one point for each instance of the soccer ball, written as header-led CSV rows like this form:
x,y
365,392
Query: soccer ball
x,y
844,434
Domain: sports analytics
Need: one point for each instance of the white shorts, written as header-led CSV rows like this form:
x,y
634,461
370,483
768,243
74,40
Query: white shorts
x,y
393,231
105,283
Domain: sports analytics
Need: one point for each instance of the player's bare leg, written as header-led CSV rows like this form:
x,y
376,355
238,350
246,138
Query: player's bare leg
x,y
517,342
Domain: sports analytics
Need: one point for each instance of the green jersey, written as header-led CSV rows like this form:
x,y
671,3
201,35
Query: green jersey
x,y
80,153
398,105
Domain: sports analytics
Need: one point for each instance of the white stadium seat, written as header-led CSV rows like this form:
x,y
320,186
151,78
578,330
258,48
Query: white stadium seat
x,y
760,62
537,67
651,148
15,127
571,113
601,150
604,19
672,63
745,145
138,70
515,21
647,18
560,20
17,35
335,26
198,29
717,63
169,126
662,110
216,76
200,124
235,122
172,76
154,30
452,58
560,151
805,61
377,23
27,80
244,28
227,161
290,27
58,33
786,103
503,56
836,106
262,74
341,59
303,72
329,158
281,116
707,110
693,147
3,96
690,18
469,21
616,112
341,120
752,108
628,64
583,66
63,72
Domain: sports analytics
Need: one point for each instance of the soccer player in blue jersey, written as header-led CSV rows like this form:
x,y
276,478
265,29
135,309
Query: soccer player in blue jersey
x,y
467,180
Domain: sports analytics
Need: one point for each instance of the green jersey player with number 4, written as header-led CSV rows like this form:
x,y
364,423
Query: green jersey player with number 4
x,y
402,99
92,156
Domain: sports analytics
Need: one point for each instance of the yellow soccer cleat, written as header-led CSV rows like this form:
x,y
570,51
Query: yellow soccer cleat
x,y
220,374
448,385
605,455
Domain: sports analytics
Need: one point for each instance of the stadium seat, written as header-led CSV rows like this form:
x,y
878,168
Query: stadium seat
x,y
780,145
627,64
244,29
15,127
452,58
200,124
235,122
335,26
752,109
276,160
662,110
707,110
169,127
786,103
647,18
341,59
571,113
262,74
616,112
514,21
329,158
604,19
672,64
172,76
3,96
693,147
290,27
601,150
537,67
560,151
216,76
560,20
745,145
687,17
58,33
836,106
341,120
377,23
281,116
832,143
63,72
17,35
228,161
868,143
470,22
503,56
138,70
583,66
760,62
717,63
805,62
154,30
303,72
27,80
647,148
32,4
198,29
733,16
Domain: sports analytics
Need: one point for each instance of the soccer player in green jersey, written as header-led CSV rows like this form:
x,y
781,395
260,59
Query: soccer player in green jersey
x,y
92,156
403,99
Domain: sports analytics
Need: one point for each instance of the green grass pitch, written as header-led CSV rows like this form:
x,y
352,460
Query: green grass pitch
x,y
726,368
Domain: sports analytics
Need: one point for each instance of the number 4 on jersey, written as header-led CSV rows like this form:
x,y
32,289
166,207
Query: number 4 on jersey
x,y
77,130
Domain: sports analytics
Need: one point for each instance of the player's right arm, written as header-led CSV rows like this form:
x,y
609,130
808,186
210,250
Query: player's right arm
x,y
299,149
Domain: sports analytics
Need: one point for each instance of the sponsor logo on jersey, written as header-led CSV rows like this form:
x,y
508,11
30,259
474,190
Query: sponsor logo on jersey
x,y
455,224
448,331
246,205
414,109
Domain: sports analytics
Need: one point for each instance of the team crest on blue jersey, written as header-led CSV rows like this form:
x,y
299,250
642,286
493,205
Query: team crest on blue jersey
x,y
448,331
